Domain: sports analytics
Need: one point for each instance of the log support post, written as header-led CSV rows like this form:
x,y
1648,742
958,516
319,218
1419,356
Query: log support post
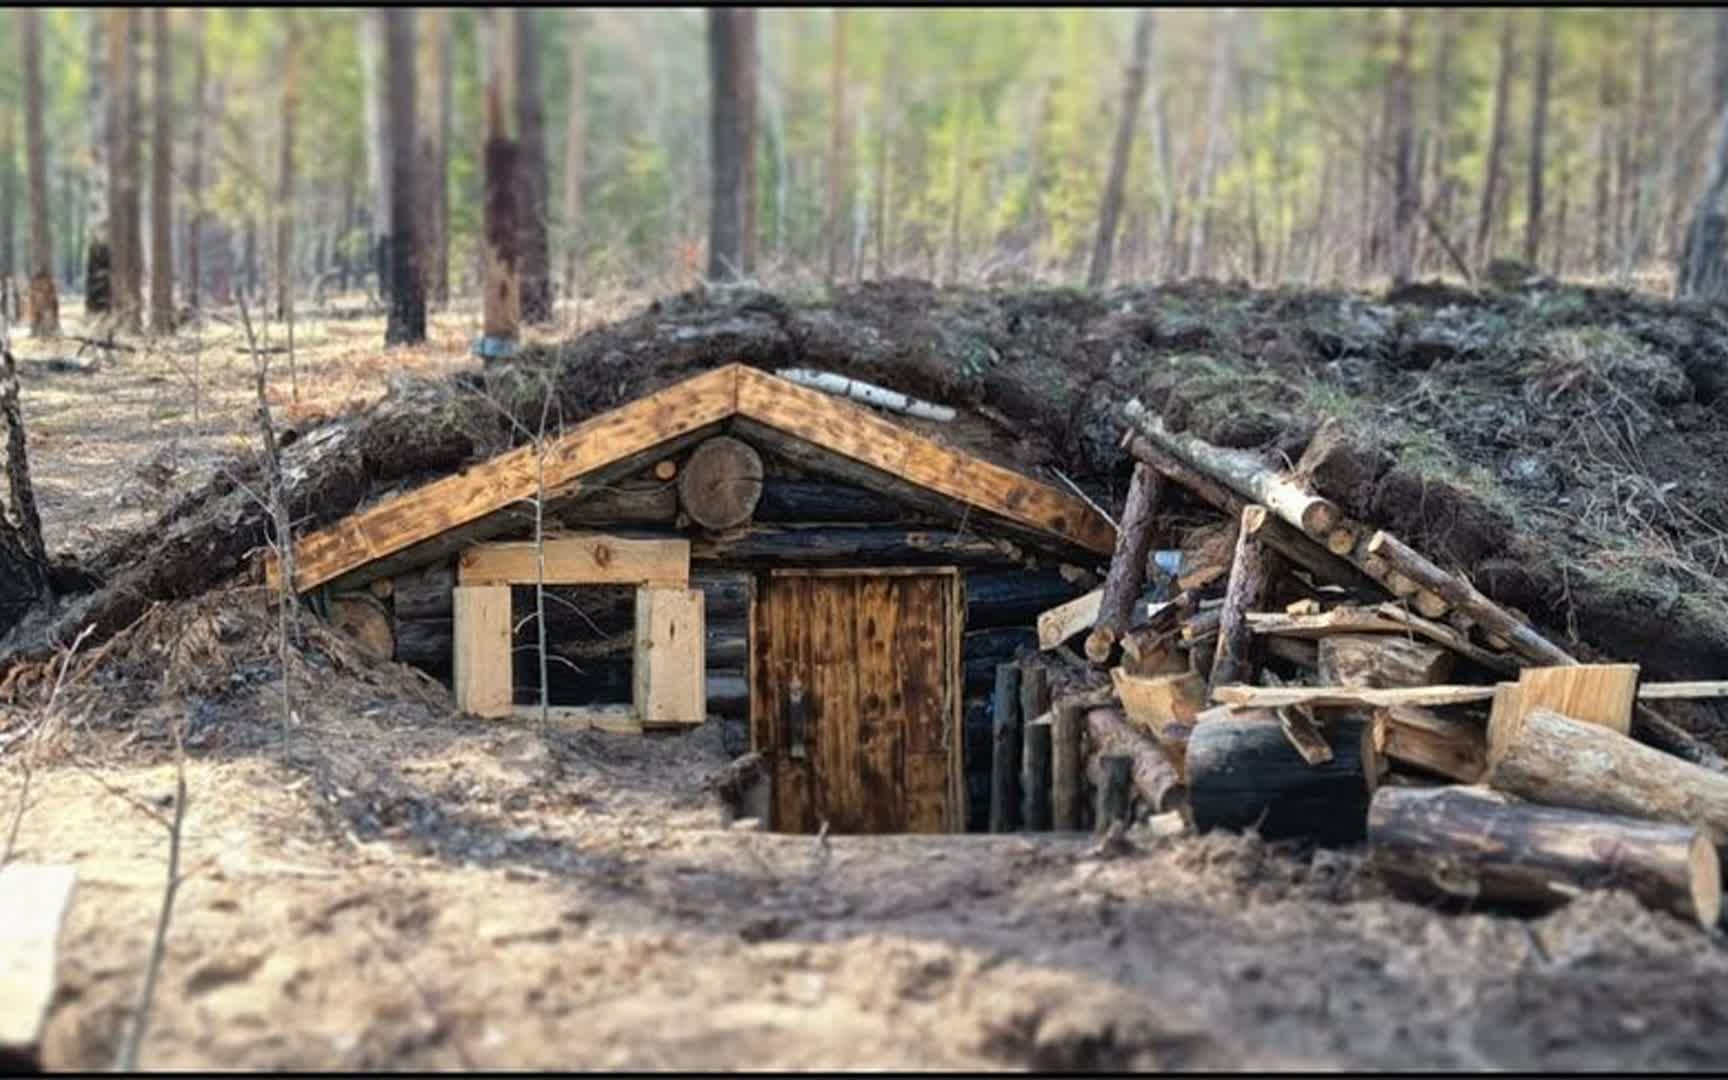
x,y
1005,751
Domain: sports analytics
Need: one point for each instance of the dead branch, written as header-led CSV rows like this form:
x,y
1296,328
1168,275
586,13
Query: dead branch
x,y
127,1059
282,540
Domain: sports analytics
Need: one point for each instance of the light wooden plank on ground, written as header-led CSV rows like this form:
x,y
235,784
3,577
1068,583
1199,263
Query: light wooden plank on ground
x,y
617,719
578,559
863,436
482,648
33,904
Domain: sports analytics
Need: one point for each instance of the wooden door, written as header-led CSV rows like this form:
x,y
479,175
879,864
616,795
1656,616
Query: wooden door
x,y
855,702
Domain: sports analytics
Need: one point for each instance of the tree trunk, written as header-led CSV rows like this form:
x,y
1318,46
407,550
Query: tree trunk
x,y
1703,270
1200,191
732,98
23,557
531,171
1152,775
1472,844
1250,575
1496,143
433,200
885,91
127,271
44,300
502,304
407,319
195,167
575,135
161,176
378,150
284,207
1538,137
441,182
1127,123
835,211
8,206
1405,175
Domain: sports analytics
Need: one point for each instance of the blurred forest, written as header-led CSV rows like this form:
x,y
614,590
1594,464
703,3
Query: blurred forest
x,y
970,145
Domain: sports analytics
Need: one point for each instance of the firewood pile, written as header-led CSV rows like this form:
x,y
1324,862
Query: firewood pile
x,y
1314,678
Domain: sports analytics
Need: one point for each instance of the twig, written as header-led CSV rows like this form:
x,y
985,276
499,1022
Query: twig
x,y
127,1060
283,540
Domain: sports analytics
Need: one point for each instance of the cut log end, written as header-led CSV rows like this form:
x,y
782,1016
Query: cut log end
x,y
1706,866
721,483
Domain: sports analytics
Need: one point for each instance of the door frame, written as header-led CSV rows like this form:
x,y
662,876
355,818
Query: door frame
x,y
954,810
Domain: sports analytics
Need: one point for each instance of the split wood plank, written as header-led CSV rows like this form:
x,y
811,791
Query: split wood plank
x,y
1674,691
1445,745
1382,619
482,650
33,905
859,434
669,664
1274,697
1591,693
581,559
426,511
1156,702
1304,734
1063,621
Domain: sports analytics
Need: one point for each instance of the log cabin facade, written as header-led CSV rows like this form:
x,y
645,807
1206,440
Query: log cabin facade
x,y
734,545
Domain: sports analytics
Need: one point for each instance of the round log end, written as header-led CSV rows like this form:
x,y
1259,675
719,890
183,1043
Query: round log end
x,y
1341,541
1431,605
1320,517
1099,644
1706,868
721,483
665,470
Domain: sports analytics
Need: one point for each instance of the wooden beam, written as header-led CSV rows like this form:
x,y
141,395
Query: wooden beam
x,y
863,436
483,669
1273,697
668,669
490,486
580,559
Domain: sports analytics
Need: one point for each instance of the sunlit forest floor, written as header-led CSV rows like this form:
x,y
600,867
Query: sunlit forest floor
x,y
384,884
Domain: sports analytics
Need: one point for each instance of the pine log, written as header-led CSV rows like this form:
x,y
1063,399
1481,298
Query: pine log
x,y
1243,773
1454,748
817,501
1035,753
726,594
1461,594
882,546
1302,551
1381,661
726,645
1249,575
650,502
1242,472
364,618
425,643
1471,844
1066,725
1154,778
728,692
1063,621
1013,597
1127,576
427,592
1005,751
1273,697
1553,759
720,483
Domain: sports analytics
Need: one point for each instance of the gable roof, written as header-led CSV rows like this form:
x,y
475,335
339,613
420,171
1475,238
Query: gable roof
x,y
587,453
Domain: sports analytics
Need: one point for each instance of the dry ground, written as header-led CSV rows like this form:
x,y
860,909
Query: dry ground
x,y
388,885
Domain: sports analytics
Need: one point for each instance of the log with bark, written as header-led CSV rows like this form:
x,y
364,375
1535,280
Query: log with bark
x,y
997,598
1035,750
1005,745
883,546
1154,778
1243,773
1122,586
1249,574
1067,723
426,593
1472,844
1549,758
1381,661
1241,472
786,501
1451,747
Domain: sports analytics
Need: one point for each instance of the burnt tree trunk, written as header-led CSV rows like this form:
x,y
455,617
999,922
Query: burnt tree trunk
x,y
502,301
1127,122
23,557
531,174
407,319
731,135
161,175
575,135
195,167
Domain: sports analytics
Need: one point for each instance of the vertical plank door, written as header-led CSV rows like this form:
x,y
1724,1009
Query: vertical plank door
x,y
855,703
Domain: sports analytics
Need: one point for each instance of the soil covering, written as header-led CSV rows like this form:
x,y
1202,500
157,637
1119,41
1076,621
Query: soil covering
x,y
1564,446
